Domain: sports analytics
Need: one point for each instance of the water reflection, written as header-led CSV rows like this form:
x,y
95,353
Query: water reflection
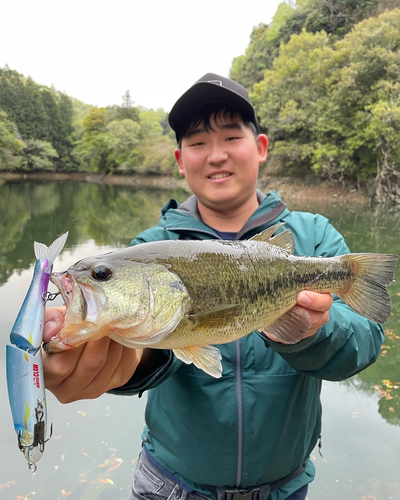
x,y
110,215
378,230
100,218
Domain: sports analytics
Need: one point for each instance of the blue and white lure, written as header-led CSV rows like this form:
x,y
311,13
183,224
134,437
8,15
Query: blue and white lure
x,y
25,379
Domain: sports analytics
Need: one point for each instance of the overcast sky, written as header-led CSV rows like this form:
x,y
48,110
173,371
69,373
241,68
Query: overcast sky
x,y
95,50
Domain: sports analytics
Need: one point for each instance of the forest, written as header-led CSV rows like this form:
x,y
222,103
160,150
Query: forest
x,y
42,129
324,77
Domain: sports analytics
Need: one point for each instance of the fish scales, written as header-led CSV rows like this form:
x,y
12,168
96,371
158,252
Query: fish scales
x,y
268,288
188,295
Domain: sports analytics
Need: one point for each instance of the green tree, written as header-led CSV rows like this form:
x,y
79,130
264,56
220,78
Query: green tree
x,y
249,68
40,113
10,144
122,139
92,152
94,155
157,144
94,122
360,108
38,155
335,17
286,100
65,143
80,111
334,108
127,111
37,120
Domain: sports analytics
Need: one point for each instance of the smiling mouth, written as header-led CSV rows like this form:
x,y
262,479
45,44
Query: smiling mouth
x,y
219,176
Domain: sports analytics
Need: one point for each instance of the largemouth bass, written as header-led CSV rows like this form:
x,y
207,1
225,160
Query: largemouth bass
x,y
188,295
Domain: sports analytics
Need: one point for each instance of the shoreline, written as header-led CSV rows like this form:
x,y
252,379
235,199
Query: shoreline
x,y
288,188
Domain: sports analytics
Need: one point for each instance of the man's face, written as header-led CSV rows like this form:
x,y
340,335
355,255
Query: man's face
x,y
221,165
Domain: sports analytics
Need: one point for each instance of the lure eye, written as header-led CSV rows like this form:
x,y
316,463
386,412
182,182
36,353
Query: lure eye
x,y
101,273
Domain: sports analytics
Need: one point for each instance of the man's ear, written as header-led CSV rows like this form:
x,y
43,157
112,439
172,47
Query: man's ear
x,y
262,147
178,158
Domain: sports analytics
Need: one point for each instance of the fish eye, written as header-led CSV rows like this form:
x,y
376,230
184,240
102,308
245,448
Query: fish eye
x,y
101,273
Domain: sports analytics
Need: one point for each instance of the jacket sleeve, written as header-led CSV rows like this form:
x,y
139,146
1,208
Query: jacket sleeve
x,y
344,346
138,384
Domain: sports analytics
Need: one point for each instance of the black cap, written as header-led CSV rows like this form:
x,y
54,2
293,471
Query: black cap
x,y
211,89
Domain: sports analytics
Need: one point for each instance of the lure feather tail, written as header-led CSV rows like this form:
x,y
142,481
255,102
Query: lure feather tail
x,y
50,253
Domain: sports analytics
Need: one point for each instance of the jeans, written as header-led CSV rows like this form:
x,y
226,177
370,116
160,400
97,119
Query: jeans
x,y
149,483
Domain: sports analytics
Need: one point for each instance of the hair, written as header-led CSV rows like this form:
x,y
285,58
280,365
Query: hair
x,y
204,115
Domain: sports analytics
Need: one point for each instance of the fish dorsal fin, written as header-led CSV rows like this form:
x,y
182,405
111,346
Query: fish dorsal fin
x,y
291,326
206,358
267,234
284,240
216,317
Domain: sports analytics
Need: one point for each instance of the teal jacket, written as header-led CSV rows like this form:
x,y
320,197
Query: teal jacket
x,y
262,419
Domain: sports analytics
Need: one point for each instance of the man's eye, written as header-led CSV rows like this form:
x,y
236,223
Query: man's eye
x,y
232,138
197,144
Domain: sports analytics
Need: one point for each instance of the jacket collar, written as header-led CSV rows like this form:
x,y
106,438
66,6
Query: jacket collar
x,y
186,217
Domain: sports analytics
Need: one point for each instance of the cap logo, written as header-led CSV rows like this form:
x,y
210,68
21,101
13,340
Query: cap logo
x,y
217,82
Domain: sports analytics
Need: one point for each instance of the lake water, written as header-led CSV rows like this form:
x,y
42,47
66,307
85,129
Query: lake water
x,y
94,446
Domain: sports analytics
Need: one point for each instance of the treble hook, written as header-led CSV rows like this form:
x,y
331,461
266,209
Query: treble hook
x,y
38,434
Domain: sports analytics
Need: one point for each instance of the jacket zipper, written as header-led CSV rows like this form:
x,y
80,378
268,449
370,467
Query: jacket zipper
x,y
239,403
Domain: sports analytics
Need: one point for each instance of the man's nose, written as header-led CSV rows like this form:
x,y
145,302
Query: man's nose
x,y
218,154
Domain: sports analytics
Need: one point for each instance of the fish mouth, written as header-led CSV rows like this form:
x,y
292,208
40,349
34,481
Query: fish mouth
x,y
71,292
65,284
67,287
80,305
79,298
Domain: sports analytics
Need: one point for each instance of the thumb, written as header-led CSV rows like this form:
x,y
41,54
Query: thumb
x,y
53,322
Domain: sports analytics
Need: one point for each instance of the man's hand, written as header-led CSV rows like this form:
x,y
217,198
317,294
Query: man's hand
x,y
317,305
87,371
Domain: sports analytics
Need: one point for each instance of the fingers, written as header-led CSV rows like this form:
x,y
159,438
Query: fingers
x,y
317,305
59,367
88,371
53,321
321,302
318,319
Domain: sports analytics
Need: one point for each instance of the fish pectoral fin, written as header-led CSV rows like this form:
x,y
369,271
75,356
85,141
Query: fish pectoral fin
x,y
291,326
206,358
216,317
284,240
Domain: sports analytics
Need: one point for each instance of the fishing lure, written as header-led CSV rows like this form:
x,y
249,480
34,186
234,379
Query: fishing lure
x,y
25,379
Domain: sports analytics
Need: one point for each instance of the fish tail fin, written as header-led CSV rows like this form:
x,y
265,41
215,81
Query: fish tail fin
x,y
367,293
42,251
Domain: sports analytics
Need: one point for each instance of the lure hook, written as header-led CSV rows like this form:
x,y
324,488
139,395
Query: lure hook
x,y
38,434
47,296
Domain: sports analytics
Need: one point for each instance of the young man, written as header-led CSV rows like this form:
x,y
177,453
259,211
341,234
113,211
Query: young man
x,y
247,435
